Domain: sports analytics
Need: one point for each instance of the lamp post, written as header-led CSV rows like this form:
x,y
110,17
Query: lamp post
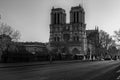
x,y
90,50
50,52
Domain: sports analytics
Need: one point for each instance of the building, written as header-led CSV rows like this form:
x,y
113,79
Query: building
x,y
92,42
68,36
33,47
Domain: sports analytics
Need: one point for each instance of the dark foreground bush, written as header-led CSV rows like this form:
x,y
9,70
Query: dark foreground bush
x,y
17,57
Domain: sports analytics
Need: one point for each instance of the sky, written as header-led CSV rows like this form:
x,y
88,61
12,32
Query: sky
x,y
32,17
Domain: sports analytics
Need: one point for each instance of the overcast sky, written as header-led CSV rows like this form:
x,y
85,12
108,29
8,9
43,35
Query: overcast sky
x,y
32,17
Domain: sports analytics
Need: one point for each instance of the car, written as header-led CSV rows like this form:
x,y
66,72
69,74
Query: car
x,y
107,58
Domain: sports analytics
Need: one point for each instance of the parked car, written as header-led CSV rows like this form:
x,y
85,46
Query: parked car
x,y
107,58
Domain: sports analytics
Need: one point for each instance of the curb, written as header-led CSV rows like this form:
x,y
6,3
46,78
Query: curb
x,y
43,63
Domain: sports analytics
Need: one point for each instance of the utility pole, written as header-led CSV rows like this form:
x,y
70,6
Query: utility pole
x,y
82,3
0,16
0,19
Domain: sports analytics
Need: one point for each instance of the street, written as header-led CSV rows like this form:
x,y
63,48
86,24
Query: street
x,y
66,71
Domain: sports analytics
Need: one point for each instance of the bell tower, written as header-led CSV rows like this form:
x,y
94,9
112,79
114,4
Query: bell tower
x,y
77,15
58,16
58,20
77,22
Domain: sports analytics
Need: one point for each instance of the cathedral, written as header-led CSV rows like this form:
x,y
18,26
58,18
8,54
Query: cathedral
x,y
70,37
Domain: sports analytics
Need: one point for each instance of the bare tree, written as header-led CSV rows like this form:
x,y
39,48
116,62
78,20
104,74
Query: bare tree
x,y
8,30
117,35
104,39
8,36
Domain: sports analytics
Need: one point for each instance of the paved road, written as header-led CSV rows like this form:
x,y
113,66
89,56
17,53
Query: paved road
x,y
67,71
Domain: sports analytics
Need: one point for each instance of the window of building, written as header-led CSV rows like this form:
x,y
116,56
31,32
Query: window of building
x,y
56,39
74,17
55,18
58,16
66,37
76,38
77,17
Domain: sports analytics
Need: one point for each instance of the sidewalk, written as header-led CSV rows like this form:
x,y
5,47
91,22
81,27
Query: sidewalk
x,y
117,74
11,65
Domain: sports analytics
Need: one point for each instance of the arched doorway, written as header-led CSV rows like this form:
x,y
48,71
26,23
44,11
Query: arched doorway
x,y
75,51
77,54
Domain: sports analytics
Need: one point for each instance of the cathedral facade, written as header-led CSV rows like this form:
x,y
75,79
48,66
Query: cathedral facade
x,y
68,37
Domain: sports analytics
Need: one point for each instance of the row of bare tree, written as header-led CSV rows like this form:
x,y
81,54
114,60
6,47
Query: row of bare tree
x,y
107,44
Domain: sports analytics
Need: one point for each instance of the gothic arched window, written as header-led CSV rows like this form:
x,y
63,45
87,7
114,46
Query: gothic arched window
x,y
66,37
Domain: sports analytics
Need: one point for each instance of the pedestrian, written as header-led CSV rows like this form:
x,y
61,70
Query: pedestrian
x,y
50,59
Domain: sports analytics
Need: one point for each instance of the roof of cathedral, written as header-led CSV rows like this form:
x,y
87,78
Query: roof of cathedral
x,y
58,9
91,34
90,31
77,7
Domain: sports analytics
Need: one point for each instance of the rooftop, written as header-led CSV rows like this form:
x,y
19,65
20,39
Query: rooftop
x,y
77,8
58,9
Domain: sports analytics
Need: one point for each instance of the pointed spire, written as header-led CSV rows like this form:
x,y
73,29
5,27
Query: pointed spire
x,y
53,7
0,16
97,28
